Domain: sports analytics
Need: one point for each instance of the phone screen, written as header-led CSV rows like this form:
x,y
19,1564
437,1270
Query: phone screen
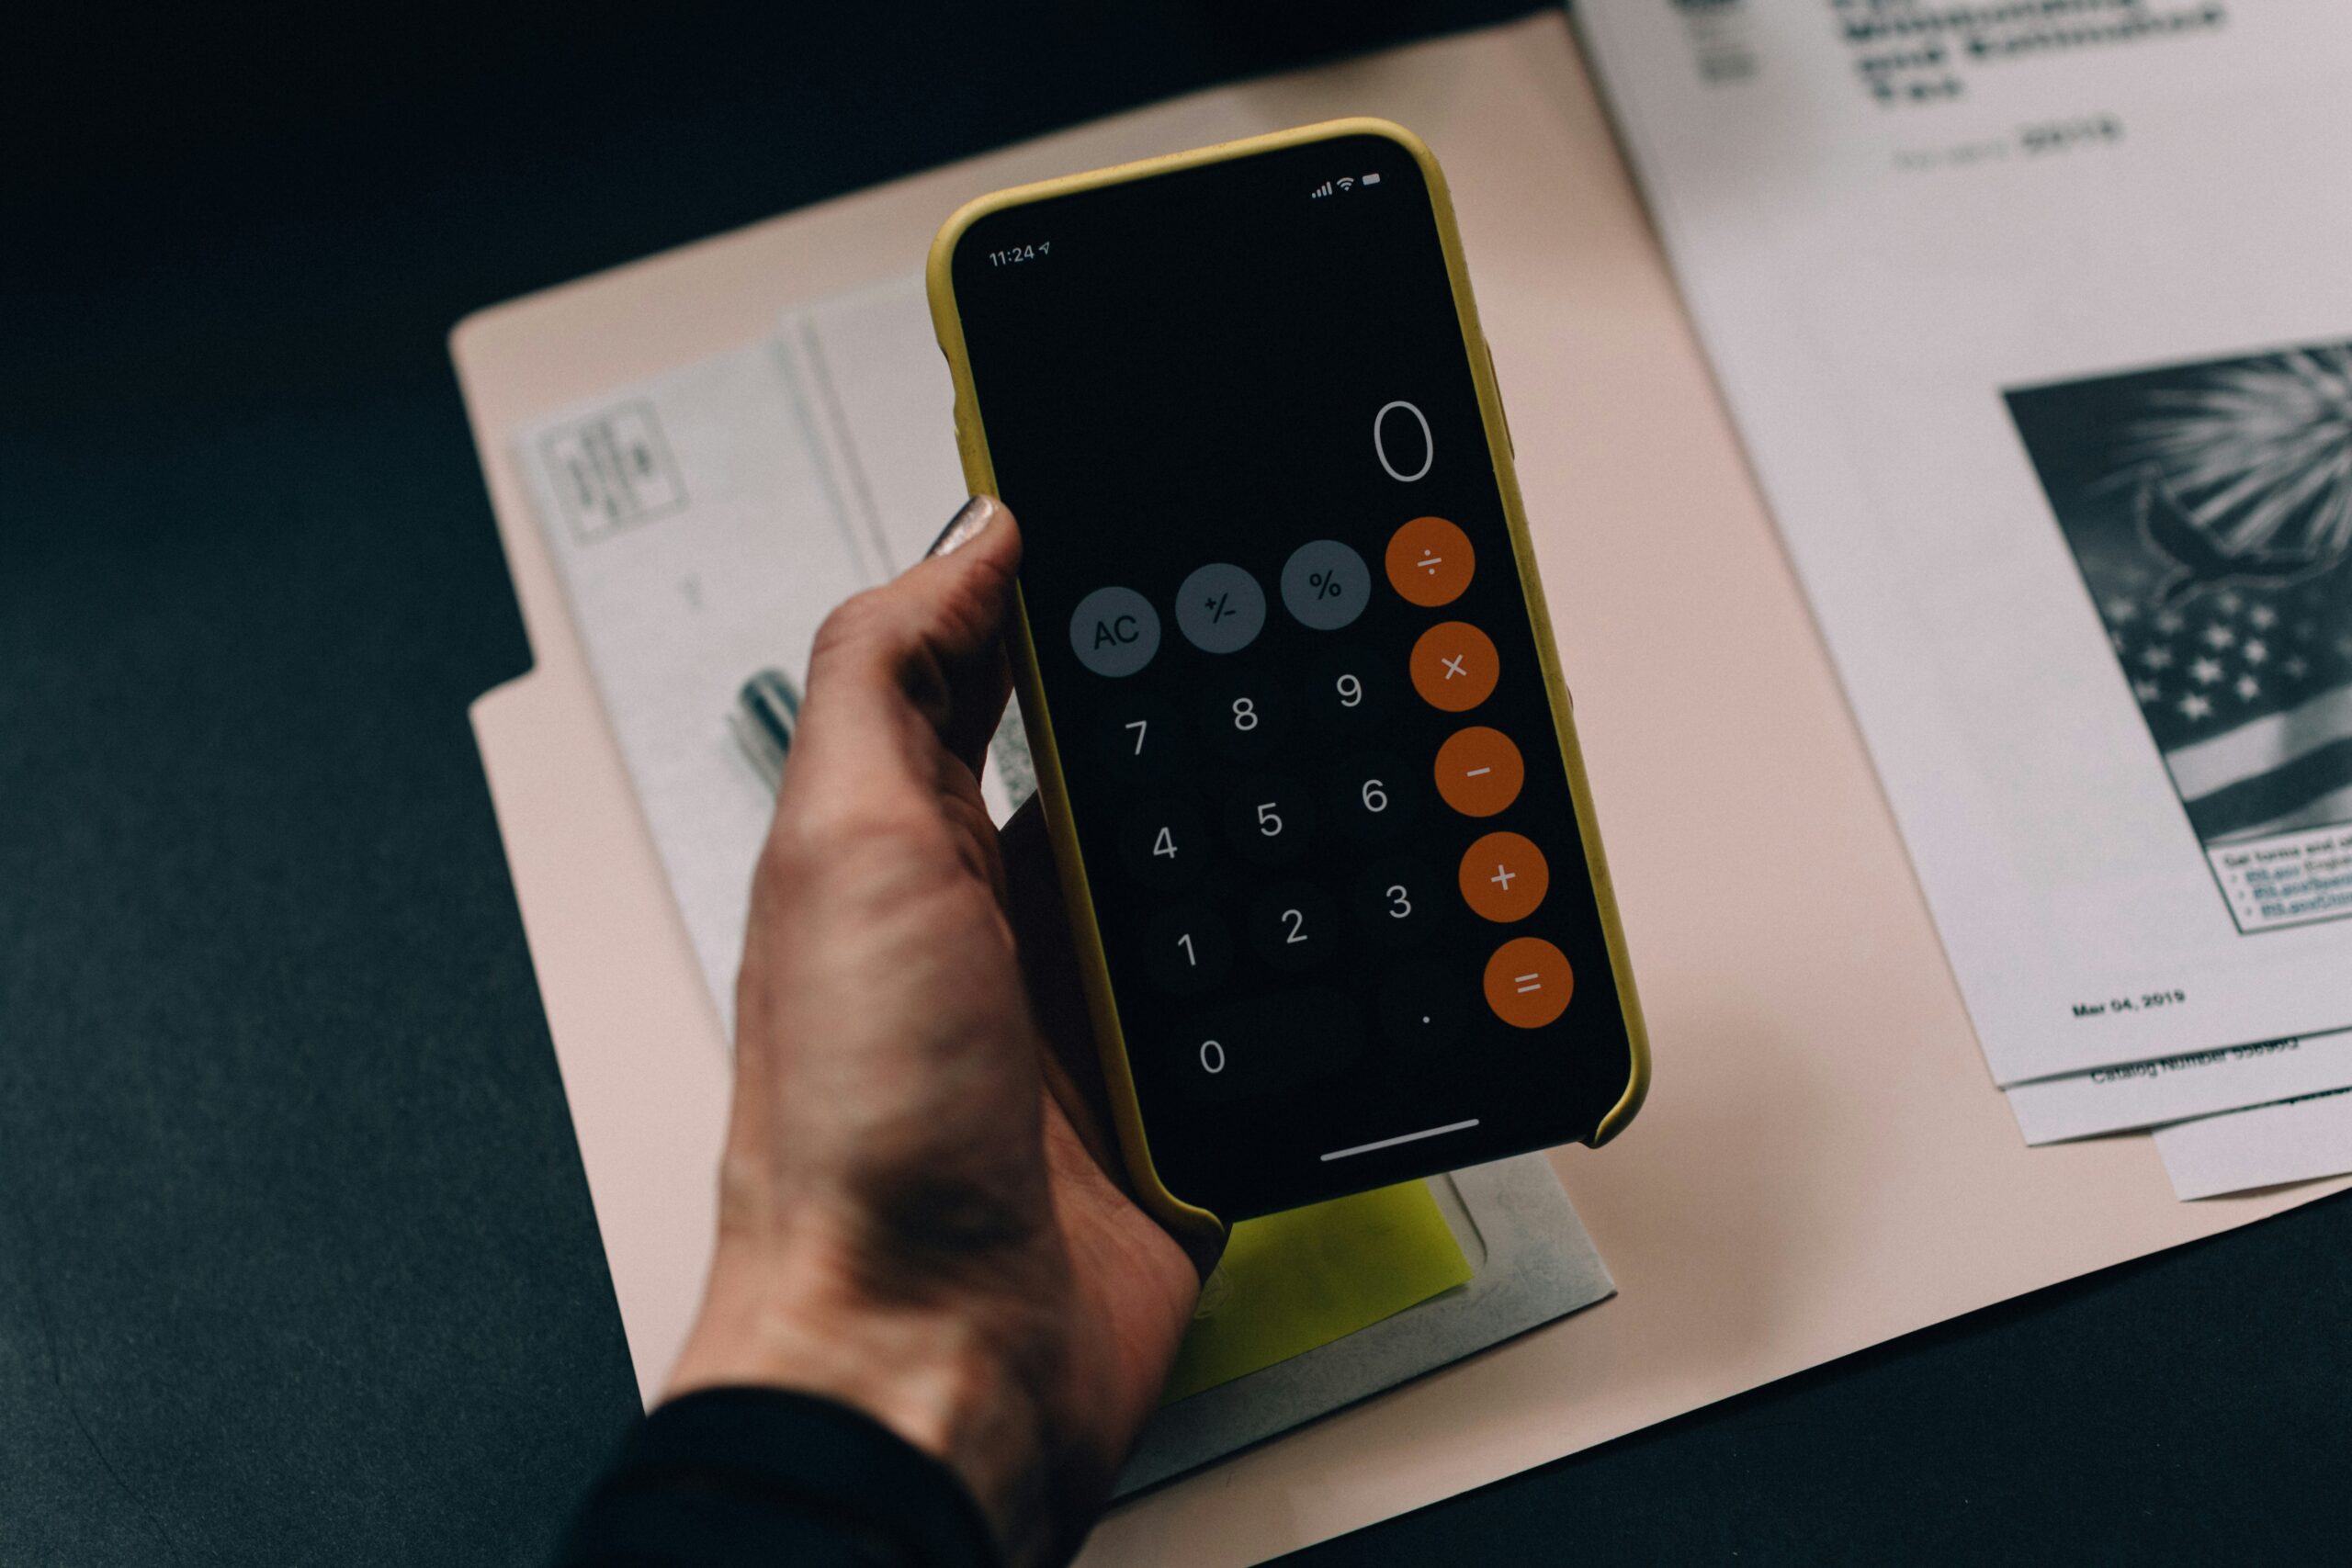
x,y
1290,674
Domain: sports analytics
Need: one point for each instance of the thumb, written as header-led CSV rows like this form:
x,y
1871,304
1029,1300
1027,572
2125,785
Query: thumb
x,y
930,641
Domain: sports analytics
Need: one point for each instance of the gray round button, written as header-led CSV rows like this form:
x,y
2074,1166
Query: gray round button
x,y
1114,631
1221,608
1325,585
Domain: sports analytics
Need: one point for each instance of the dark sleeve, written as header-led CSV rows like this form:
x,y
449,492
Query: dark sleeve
x,y
734,1476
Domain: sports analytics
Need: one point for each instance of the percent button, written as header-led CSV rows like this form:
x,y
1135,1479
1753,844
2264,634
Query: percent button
x,y
1325,585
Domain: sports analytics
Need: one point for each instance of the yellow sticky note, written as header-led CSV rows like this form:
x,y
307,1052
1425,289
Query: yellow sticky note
x,y
1289,1283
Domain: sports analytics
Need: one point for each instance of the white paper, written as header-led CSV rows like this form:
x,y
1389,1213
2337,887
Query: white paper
x,y
2174,1089
2096,624
704,521
2298,1140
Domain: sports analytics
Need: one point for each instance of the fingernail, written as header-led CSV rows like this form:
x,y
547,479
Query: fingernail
x,y
964,527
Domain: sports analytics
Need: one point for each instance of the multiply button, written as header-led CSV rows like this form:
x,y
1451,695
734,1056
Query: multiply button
x,y
1504,877
1453,666
1529,982
1430,561
1478,771
1221,608
1114,631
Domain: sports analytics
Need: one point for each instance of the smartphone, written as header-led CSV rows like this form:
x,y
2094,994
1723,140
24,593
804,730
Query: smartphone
x,y
1301,734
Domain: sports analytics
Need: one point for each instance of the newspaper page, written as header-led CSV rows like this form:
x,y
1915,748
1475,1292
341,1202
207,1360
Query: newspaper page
x,y
2035,322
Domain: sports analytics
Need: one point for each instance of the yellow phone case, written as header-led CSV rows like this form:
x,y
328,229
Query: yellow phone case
x,y
980,473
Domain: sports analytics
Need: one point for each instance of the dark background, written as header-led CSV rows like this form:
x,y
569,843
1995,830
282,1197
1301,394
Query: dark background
x,y
295,1262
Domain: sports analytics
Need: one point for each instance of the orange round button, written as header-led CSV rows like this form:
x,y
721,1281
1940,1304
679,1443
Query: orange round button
x,y
1504,876
1478,771
1453,666
1430,561
1529,982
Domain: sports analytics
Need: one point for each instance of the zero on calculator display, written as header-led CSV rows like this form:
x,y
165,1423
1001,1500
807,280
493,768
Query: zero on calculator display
x,y
1313,771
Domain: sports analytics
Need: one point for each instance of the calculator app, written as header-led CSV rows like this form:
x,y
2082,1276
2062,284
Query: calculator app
x,y
1318,790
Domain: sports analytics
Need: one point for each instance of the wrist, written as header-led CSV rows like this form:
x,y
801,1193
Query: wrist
x,y
934,1376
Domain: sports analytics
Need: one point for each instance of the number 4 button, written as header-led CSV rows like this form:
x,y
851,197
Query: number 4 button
x,y
1163,845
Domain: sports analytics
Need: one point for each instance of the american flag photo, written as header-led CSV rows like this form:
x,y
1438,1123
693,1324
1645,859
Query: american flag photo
x,y
2209,509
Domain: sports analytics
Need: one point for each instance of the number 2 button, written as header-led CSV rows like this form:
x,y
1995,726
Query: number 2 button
x,y
1293,926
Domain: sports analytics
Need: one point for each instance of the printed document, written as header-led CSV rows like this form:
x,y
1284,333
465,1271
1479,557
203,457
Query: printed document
x,y
2037,325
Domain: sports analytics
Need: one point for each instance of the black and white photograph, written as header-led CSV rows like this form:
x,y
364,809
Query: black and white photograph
x,y
2209,509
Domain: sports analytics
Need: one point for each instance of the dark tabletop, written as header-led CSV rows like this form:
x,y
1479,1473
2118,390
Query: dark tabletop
x,y
296,1260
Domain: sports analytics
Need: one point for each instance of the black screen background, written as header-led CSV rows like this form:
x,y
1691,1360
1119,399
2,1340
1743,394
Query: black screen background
x,y
1189,376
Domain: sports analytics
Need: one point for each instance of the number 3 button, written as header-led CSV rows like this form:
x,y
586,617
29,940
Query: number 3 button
x,y
1396,903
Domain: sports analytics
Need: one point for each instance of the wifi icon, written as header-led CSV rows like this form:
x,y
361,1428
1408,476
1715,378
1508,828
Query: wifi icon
x,y
1345,183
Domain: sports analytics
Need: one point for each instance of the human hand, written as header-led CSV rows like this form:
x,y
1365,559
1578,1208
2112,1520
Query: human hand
x,y
916,1211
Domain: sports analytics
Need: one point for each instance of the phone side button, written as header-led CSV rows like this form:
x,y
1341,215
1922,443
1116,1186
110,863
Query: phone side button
x,y
1509,440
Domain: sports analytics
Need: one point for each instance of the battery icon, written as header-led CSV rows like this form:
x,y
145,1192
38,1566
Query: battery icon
x,y
1372,179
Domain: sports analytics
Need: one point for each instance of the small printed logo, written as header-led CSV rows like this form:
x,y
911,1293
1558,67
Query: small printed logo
x,y
612,470
1718,30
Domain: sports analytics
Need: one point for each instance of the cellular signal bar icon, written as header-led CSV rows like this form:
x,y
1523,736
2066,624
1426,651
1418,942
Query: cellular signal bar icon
x,y
1323,189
